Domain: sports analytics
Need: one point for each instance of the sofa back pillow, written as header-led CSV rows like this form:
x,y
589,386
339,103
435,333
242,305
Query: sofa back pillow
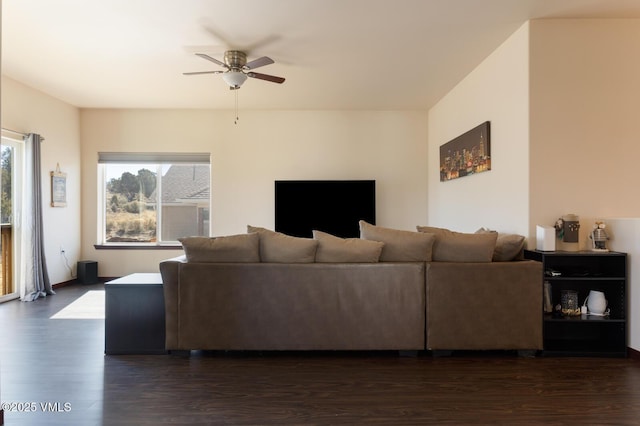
x,y
332,249
509,247
451,246
276,247
243,248
399,246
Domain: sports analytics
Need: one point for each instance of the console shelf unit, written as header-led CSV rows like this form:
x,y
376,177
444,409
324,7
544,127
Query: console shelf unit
x,y
583,271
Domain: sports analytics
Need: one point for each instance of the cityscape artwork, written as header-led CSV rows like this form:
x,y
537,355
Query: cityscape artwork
x,y
468,154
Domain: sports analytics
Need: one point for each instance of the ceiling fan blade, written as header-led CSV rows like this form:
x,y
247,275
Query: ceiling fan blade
x,y
260,44
214,60
255,46
267,77
202,72
220,37
260,62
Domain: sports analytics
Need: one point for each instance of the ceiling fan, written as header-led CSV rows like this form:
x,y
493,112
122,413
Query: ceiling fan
x,y
238,69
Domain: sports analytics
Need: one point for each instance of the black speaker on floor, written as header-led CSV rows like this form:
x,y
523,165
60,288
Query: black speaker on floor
x,y
87,272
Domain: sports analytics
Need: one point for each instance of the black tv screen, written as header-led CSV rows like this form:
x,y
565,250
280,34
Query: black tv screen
x,y
332,206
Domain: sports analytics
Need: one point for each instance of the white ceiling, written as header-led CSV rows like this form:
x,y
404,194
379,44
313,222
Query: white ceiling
x,y
335,54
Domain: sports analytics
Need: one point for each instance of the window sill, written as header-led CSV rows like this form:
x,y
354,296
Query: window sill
x,y
134,246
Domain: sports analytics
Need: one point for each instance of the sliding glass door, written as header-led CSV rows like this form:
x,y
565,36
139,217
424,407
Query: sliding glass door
x,y
10,198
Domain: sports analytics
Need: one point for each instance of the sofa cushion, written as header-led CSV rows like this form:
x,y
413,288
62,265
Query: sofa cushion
x,y
332,249
399,246
451,246
508,246
276,247
233,248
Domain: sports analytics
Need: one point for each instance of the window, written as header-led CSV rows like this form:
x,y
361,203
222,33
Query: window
x,y
153,199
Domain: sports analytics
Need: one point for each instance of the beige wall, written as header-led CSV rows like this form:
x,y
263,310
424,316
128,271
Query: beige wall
x,y
585,91
585,88
388,146
27,110
496,91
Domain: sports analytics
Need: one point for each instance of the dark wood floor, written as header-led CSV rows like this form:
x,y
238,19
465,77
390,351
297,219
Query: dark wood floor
x,y
48,361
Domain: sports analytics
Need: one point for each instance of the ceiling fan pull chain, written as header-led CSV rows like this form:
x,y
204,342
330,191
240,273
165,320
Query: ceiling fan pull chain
x,y
237,118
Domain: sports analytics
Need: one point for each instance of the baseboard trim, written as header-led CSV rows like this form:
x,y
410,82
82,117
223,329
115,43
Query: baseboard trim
x,y
64,284
633,354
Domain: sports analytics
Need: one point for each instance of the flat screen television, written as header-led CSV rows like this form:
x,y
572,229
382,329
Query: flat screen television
x,y
332,206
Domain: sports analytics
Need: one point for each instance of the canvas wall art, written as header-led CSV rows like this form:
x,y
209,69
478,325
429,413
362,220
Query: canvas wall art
x,y
466,155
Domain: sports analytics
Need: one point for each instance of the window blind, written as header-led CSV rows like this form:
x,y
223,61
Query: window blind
x,y
154,157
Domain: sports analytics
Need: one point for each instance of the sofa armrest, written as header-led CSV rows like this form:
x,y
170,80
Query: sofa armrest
x,y
170,272
475,306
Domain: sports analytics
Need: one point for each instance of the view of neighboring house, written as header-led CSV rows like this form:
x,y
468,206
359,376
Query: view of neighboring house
x,y
185,201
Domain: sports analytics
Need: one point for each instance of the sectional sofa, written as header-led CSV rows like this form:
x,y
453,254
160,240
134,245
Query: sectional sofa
x,y
433,289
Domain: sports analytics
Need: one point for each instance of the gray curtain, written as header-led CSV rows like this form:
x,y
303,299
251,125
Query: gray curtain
x,y
34,270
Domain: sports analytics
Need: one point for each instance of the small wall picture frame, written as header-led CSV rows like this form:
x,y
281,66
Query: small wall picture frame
x,y
58,188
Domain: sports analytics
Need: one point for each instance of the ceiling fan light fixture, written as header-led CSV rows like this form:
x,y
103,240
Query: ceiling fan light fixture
x,y
234,78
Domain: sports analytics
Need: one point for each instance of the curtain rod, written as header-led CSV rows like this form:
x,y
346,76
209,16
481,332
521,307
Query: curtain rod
x,y
15,132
